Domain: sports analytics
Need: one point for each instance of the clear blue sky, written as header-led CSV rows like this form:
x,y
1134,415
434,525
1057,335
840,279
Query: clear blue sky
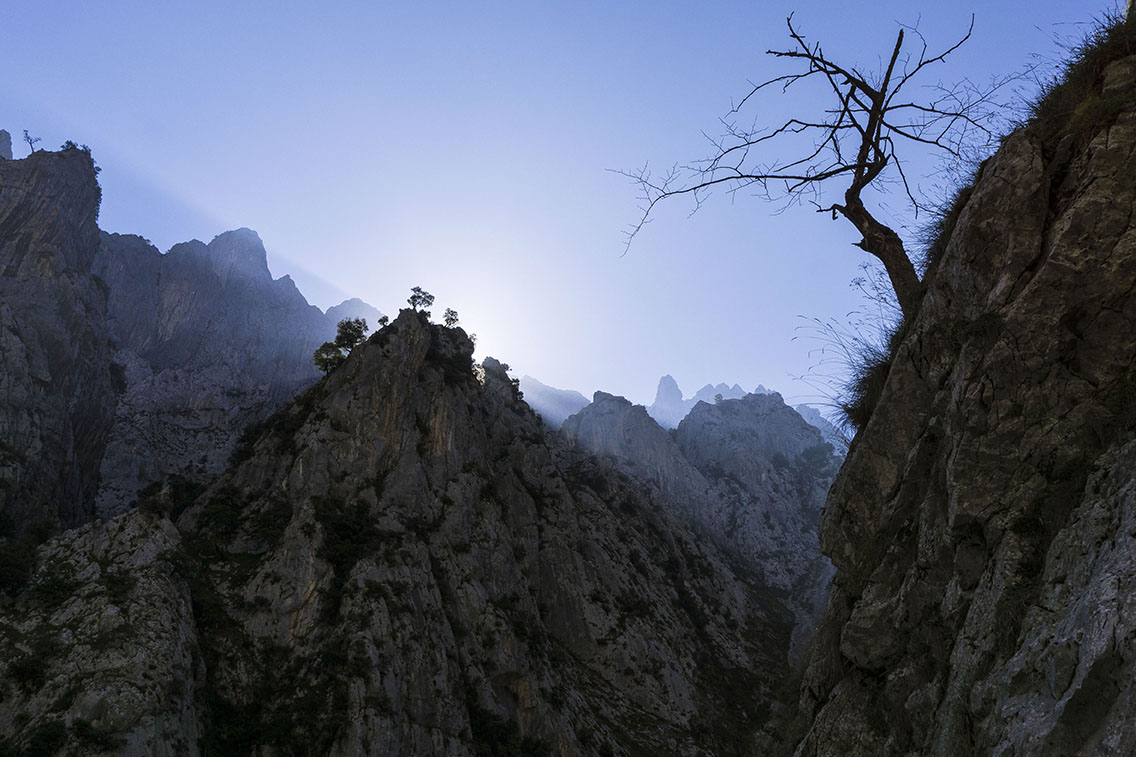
x,y
464,147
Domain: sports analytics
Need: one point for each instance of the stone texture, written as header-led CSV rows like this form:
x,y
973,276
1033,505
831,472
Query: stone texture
x,y
748,474
207,343
407,563
981,571
101,650
56,395
5,145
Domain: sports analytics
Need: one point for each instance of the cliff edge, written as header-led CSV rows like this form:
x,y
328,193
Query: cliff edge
x,y
982,525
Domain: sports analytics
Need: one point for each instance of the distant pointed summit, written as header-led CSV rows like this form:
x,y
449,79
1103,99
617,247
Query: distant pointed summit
x,y
669,407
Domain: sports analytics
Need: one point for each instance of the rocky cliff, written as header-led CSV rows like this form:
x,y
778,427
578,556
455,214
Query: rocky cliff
x,y
403,562
747,474
56,391
207,343
982,525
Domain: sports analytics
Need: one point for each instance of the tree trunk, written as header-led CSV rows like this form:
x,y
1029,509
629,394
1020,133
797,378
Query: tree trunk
x,y
885,244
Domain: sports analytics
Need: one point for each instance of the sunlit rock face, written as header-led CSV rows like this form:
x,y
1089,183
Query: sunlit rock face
x,y
56,391
982,525
749,474
553,405
207,343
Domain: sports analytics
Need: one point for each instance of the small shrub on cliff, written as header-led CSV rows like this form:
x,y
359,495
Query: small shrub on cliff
x,y
350,333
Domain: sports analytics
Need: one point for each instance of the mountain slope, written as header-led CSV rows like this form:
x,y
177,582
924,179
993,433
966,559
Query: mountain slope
x,y
403,562
554,405
749,475
427,567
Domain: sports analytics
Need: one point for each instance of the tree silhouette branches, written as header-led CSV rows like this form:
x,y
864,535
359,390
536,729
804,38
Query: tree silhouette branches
x,y
853,141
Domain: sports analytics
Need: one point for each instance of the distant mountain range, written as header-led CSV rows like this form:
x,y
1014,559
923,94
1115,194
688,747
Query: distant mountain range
x,y
669,407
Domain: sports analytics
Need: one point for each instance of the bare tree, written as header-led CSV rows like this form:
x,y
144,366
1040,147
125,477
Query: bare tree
x,y
31,140
852,142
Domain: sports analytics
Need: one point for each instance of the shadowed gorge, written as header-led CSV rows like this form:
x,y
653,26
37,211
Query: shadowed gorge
x,y
232,522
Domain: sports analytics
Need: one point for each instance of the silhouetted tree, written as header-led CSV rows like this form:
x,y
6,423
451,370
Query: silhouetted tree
x,y
327,356
383,321
852,141
31,140
450,318
420,299
349,334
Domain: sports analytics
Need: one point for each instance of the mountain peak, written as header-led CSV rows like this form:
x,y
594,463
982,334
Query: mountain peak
x,y
240,252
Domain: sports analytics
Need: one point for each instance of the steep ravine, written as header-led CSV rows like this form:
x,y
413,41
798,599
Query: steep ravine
x,y
747,474
981,526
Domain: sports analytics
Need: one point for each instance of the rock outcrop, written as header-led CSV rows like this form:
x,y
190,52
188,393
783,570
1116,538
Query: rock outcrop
x,y
554,405
56,390
403,562
981,526
407,564
748,474
207,343
100,653
5,145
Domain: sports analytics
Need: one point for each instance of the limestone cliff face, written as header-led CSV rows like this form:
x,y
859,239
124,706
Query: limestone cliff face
x,y
207,343
406,563
771,470
748,474
981,526
100,653
56,394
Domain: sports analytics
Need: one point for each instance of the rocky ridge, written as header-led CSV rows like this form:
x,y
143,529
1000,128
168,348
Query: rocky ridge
x,y
748,474
402,562
207,342
669,407
554,405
